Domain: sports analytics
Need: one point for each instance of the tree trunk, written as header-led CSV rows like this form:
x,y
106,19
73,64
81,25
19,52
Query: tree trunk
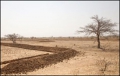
x,y
14,41
98,34
98,40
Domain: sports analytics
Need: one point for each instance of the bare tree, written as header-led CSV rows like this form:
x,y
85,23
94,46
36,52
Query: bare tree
x,y
32,37
21,38
99,27
12,37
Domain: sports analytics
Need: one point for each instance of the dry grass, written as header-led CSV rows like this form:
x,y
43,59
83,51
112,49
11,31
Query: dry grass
x,y
14,60
103,64
84,63
31,64
10,53
46,40
28,64
35,47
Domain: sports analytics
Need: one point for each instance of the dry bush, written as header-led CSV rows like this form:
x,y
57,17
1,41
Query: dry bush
x,y
106,47
103,64
46,40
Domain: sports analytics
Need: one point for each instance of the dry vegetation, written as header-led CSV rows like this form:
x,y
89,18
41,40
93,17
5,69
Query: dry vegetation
x,y
28,64
89,61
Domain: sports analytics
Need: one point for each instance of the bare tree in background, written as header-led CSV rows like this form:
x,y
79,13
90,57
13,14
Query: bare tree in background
x,y
12,37
32,38
21,38
99,27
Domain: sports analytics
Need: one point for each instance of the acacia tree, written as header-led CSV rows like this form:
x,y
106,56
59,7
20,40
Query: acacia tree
x,y
21,38
100,27
12,37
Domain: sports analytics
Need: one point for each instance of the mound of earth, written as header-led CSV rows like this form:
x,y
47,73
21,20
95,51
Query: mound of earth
x,y
30,64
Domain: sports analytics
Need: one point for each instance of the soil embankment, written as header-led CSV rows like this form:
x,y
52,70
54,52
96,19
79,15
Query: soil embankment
x,y
29,64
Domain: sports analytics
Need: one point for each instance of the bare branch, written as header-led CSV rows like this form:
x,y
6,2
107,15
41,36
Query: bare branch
x,y
12,37
99,27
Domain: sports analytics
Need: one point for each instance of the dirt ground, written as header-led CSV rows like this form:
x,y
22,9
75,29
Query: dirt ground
x,y
90,61
10,53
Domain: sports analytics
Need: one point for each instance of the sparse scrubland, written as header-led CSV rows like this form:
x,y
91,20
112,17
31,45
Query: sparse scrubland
x,y
60,56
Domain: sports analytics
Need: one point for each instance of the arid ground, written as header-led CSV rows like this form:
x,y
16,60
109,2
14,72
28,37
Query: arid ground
x,y
89,61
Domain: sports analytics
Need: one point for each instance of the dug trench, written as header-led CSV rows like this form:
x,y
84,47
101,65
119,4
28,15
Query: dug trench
x,y
30,64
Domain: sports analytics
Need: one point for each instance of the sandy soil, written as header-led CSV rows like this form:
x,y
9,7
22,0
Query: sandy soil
x,y
89,62
10,53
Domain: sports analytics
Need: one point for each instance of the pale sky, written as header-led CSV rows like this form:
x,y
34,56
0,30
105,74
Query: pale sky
x,y
53,18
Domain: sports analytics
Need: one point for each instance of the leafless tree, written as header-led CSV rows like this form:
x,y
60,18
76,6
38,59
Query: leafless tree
x,y
21,38
99,27
32,38
12,37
